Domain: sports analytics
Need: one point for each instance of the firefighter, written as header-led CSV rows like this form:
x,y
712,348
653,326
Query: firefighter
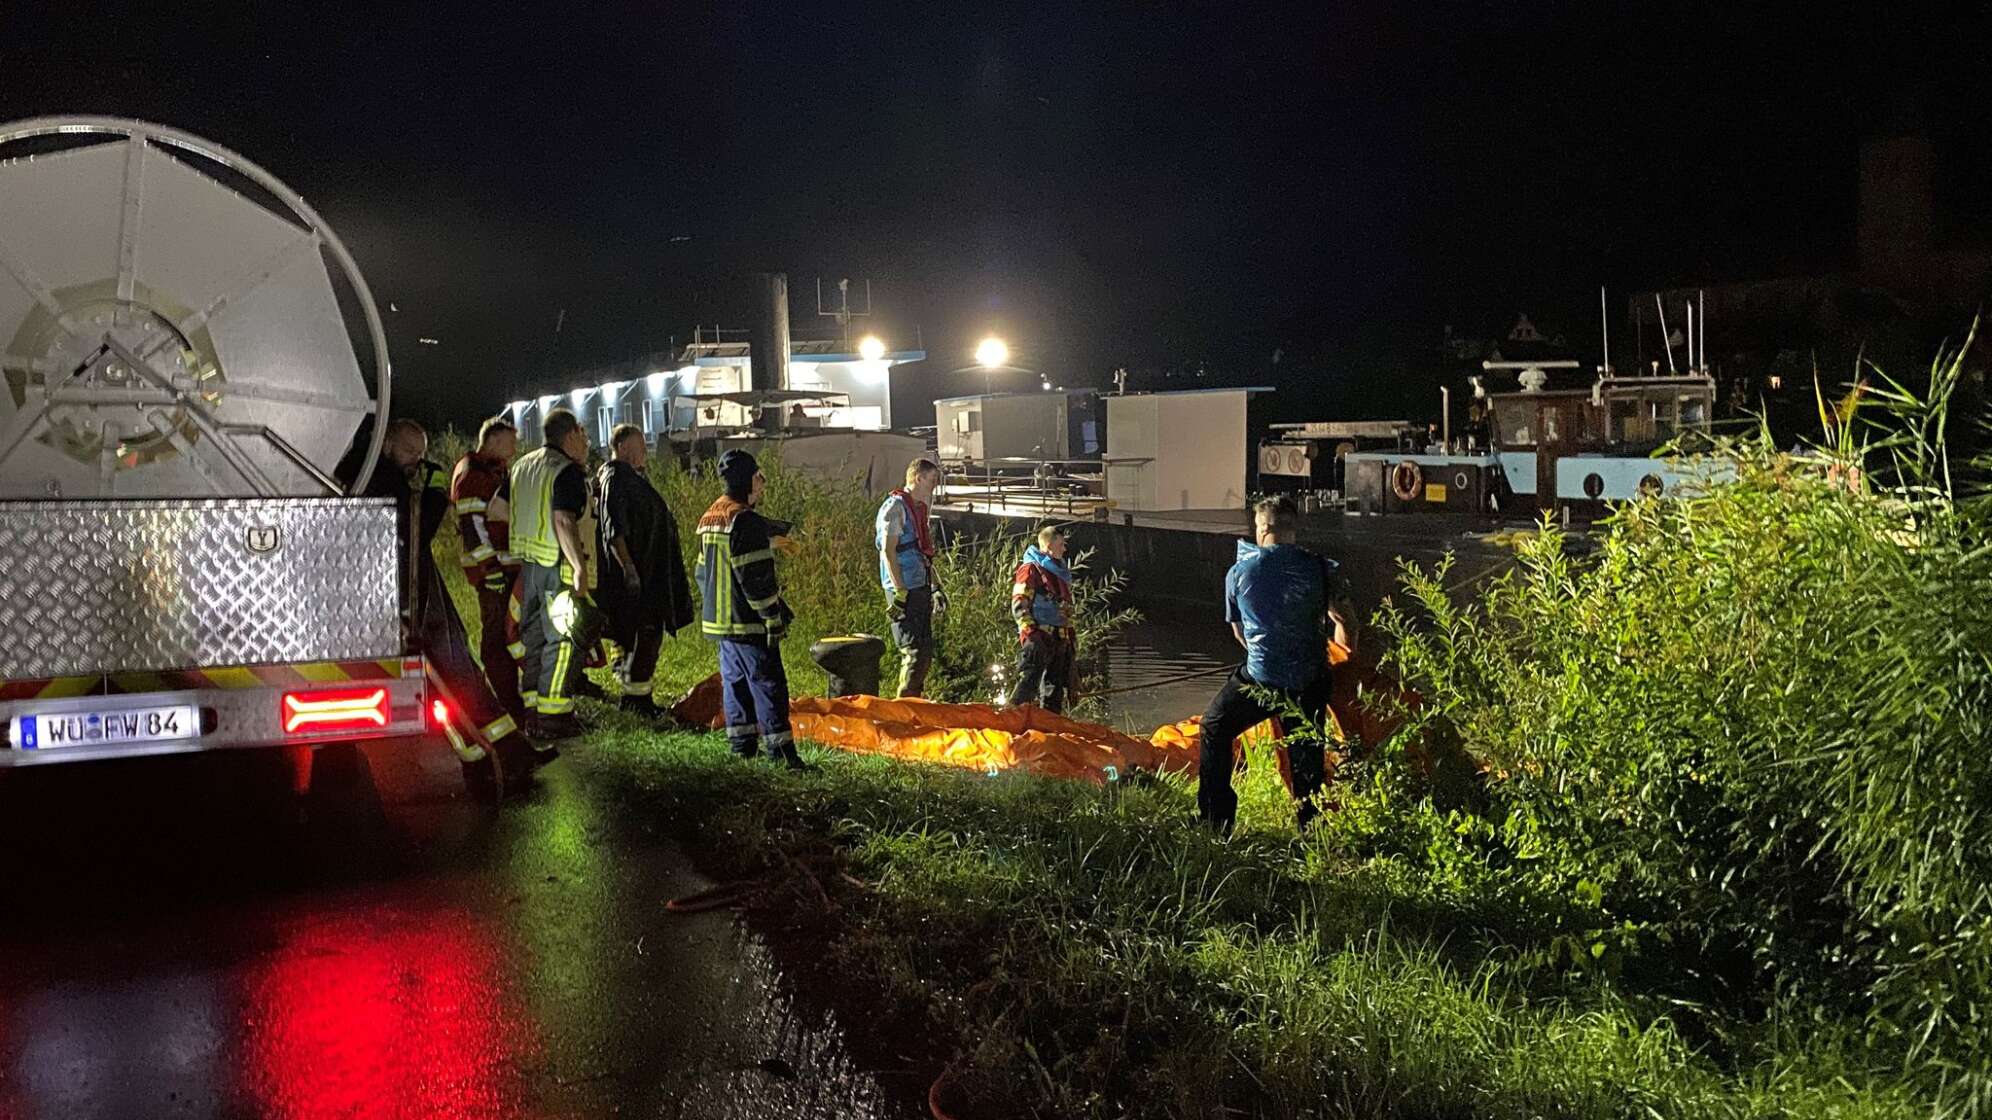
x,y
643,590
478,723
743,611
906,572
1041,602
488,563
546,495
1276,598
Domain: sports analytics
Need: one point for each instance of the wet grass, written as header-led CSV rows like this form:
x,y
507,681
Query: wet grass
x,y
1095,954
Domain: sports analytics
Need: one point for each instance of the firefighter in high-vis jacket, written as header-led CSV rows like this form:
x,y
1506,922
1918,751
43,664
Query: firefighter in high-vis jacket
x,y
743,611
488,563
477,724
546,495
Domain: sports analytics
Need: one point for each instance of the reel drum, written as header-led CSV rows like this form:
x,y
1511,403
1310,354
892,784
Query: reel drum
x,y
169,322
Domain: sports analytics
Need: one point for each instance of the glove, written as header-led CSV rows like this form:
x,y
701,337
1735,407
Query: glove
x,y
777,628
1026,632
896,610
940,599
632,583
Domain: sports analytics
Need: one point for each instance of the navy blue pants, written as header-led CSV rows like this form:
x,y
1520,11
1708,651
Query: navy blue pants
x,y
1232,712
755,691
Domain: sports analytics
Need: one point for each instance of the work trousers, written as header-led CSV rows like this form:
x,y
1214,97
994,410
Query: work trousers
x,y
546,658
1044,670
499,653
640,662
1232,712
914,635
755,695
477,721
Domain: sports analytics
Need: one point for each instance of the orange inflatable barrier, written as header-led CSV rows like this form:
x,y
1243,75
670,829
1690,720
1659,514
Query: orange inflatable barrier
x,y
981,737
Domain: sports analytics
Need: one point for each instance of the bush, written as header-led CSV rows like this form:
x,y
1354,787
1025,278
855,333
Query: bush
x,y
1741,749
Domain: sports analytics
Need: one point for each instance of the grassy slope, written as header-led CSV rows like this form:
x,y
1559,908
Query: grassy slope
x,y
1108,958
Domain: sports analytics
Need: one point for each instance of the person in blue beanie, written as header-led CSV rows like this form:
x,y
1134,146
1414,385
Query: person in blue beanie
x,y
743,611
1041,602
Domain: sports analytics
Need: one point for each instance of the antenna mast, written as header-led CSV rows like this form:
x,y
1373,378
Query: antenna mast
x,y
842,312
1605,321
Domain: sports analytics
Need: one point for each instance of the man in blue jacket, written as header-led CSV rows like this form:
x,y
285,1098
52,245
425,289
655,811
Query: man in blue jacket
x,y
1277,598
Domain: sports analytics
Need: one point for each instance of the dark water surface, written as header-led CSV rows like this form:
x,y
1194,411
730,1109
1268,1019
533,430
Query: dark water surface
x,y
1150,658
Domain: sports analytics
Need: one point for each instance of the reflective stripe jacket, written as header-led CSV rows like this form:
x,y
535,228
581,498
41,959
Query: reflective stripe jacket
x,y
737,574
1042,593
531,502
473,485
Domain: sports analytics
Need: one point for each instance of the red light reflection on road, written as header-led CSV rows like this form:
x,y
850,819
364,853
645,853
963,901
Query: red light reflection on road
x,y
383,1014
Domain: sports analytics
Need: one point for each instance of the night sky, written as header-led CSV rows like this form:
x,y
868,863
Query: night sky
x,y
1147,186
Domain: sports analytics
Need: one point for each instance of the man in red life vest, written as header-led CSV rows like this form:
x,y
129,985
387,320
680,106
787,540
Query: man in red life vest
x,y
906,572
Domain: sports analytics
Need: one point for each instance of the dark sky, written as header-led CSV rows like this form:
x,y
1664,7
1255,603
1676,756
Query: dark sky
x,y
1145,185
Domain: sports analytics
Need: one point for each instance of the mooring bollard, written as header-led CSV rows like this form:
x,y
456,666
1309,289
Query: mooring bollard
x,y
851,661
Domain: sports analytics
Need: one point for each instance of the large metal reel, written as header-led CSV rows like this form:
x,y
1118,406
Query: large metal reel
x,y
164,333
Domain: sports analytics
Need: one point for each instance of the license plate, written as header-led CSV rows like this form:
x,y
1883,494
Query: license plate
x,y
53,730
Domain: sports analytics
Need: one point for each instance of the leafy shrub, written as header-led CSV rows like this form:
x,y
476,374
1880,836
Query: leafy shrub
x,y
1744,744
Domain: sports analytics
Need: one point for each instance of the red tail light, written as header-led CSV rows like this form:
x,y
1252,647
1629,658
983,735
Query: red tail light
x,y
439,714
334,709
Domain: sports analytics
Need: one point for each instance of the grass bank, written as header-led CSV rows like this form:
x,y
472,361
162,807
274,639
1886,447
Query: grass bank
x,y
1100,956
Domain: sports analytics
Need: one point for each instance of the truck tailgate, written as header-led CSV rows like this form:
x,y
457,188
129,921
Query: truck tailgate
x,y
121,586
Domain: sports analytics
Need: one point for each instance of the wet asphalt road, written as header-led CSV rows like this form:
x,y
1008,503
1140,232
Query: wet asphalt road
x,y
186,937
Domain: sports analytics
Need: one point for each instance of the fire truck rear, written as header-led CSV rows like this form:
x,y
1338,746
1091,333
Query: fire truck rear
x,y
179,568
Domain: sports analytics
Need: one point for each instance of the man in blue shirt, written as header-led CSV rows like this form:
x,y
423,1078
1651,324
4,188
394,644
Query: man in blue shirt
x,y
1276,597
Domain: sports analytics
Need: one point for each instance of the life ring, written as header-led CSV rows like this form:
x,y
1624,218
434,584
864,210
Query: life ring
x,y
1407,481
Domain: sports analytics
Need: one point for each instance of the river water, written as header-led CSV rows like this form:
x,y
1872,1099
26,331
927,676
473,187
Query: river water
x,y
1147,662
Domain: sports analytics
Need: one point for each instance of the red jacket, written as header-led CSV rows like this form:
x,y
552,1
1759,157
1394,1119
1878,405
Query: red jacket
x,y
473,485
1042,593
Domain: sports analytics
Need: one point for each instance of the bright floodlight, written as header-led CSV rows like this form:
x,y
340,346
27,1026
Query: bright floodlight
x,y
992,352
871,349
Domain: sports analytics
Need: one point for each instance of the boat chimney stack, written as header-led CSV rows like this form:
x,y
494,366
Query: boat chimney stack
x,y
768,345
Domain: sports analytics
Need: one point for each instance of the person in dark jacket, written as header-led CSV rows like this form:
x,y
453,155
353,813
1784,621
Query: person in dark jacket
x,y
743,611
643,588
1276,598
478,723
1041,602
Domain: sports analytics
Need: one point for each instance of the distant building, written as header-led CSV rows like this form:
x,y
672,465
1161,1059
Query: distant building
x,y
1905,289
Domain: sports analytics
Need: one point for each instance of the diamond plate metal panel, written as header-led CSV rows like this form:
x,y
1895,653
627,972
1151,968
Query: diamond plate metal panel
x,y
137,586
